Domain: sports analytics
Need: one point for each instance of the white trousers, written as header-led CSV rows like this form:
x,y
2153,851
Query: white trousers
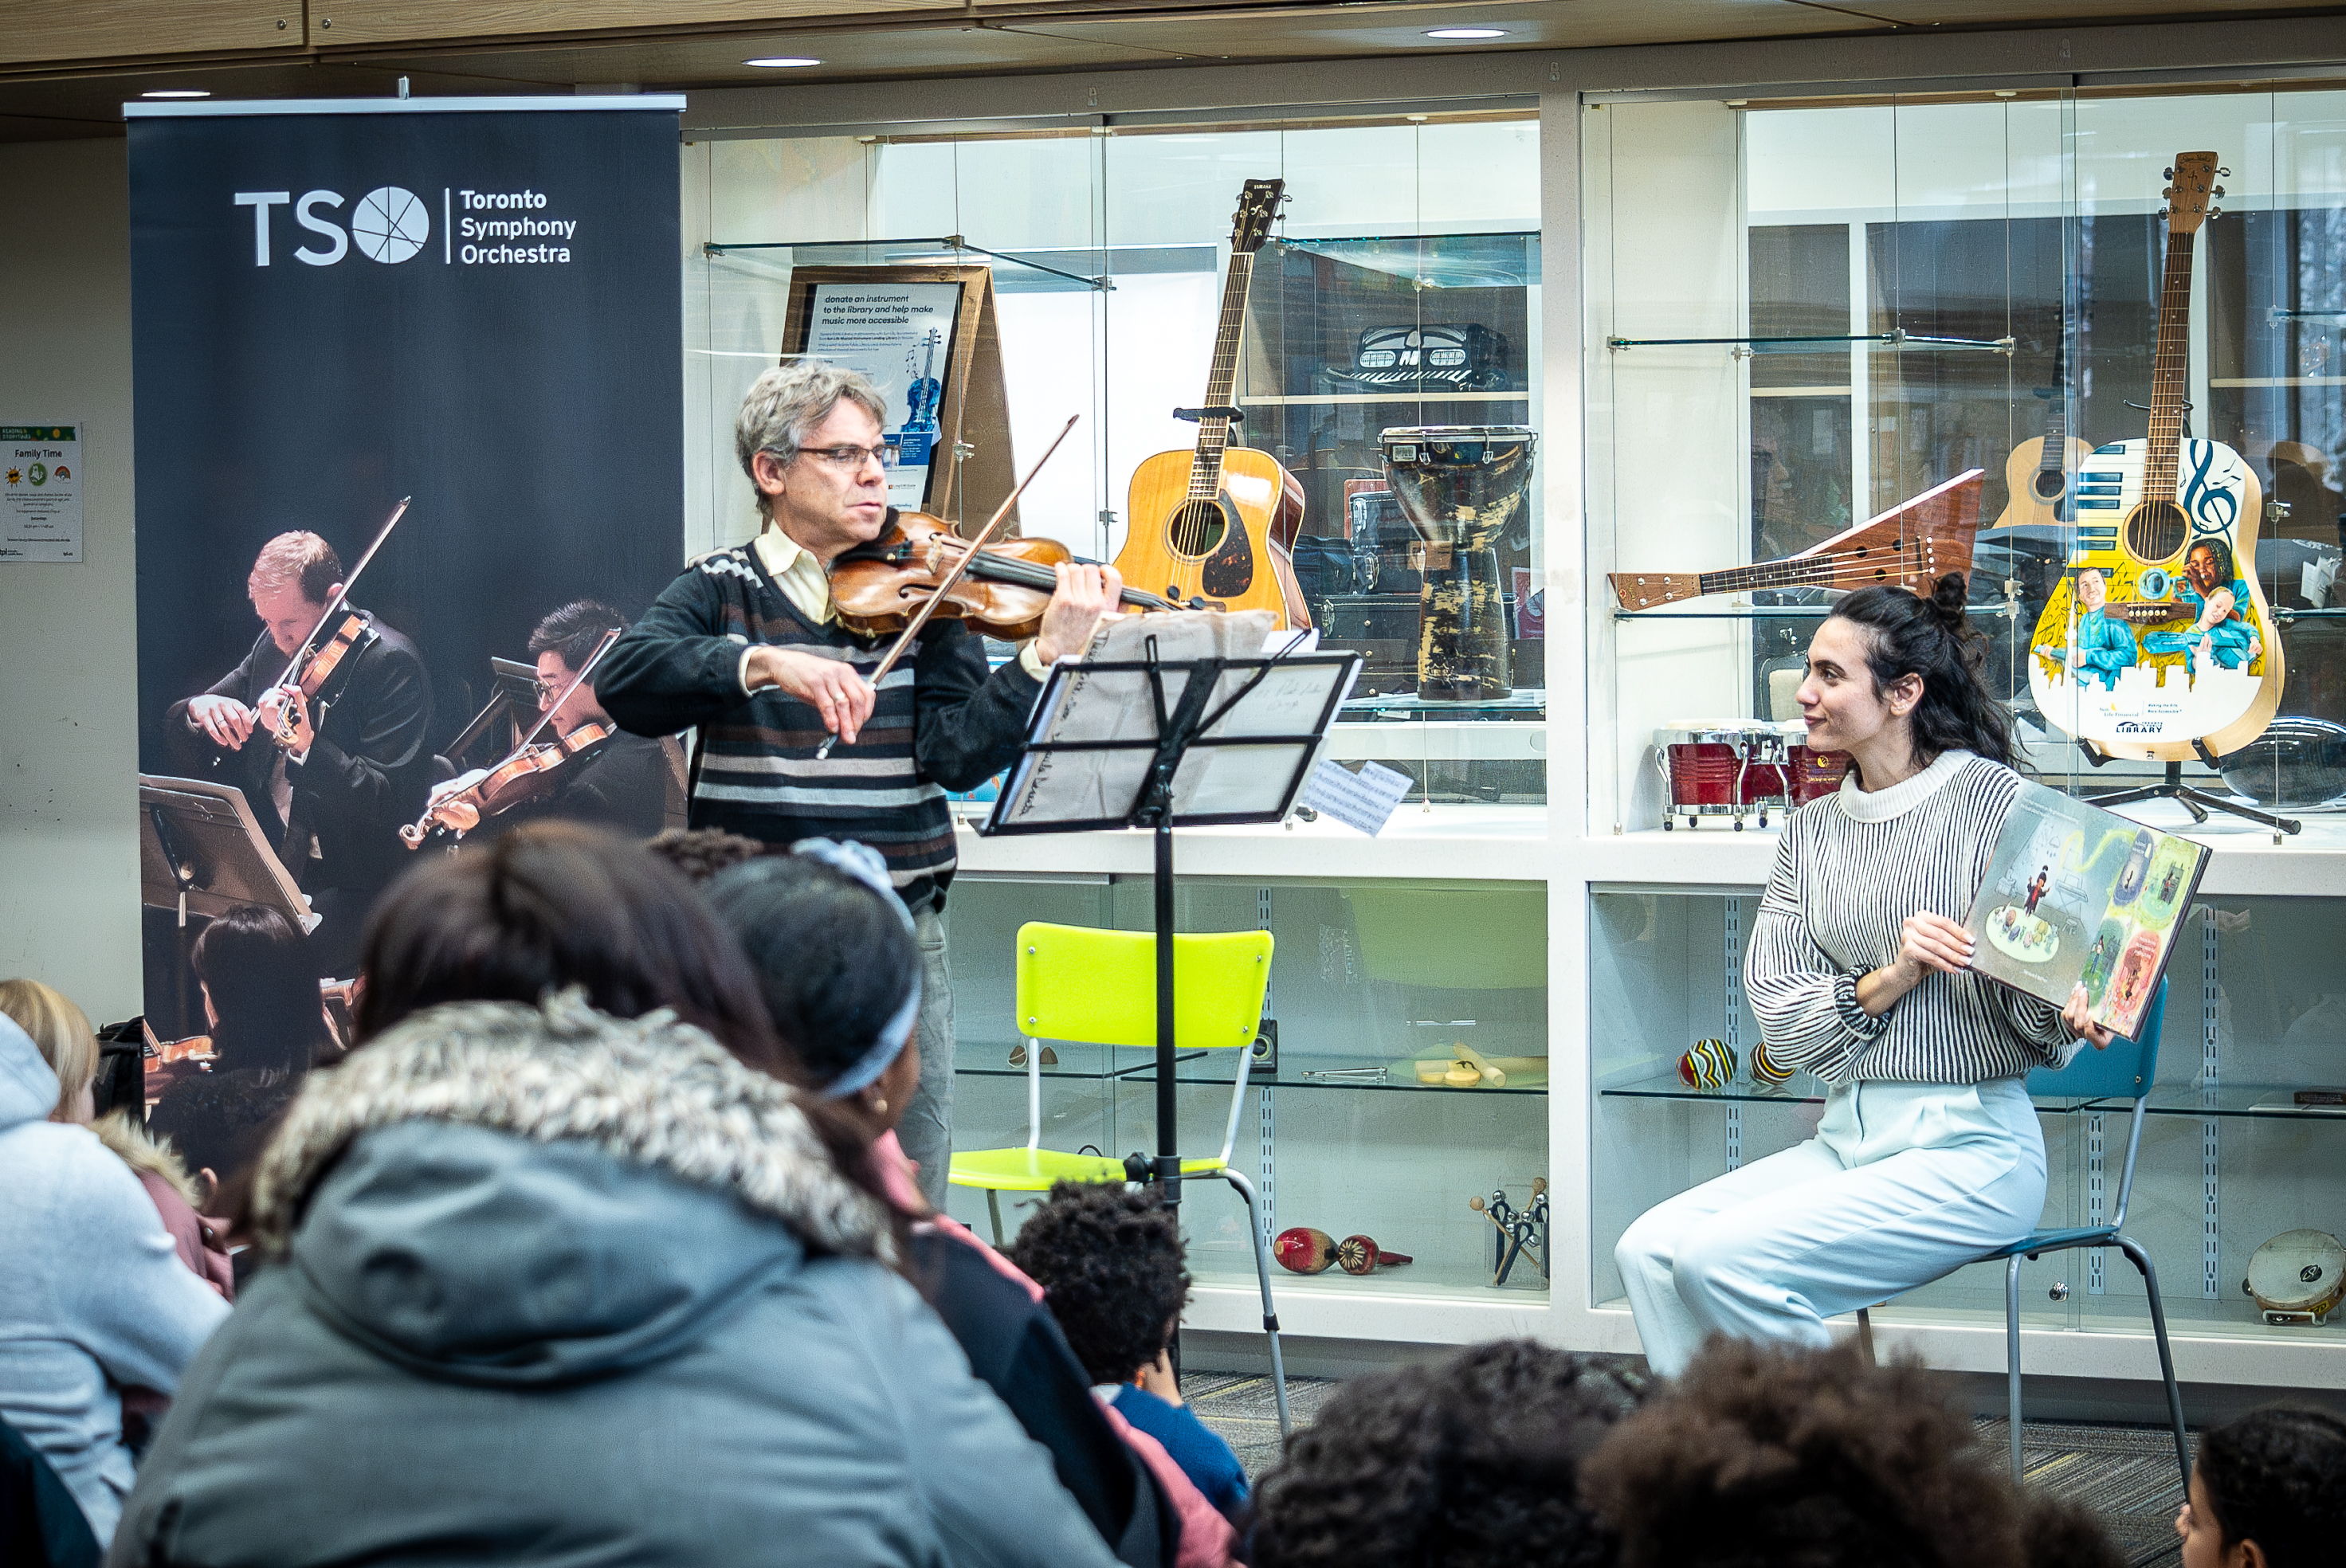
x,y
1902,1183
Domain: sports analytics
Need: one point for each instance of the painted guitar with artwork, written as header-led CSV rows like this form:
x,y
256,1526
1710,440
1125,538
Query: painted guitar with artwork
x,y
1208,528
2158,641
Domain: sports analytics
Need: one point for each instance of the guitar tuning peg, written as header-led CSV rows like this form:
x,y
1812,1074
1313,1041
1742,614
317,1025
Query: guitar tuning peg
x,y
2166,174
2223,174
2218,190
2214,213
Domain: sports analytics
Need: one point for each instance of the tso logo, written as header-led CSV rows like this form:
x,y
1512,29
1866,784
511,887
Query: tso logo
x,y
388,224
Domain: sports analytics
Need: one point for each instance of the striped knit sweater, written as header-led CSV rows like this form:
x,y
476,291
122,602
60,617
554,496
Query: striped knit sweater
x,y
1849,871
942,722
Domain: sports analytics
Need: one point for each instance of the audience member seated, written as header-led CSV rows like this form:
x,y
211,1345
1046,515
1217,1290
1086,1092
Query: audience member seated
x,y
574,1276
268,1028
1469,1461
1110,1262
41,1525
61,1032
1763,1456
2268,1491
94,1297
702,852
841,974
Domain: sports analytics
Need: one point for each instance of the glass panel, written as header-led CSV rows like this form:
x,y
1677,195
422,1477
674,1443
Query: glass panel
x,y
1361,1124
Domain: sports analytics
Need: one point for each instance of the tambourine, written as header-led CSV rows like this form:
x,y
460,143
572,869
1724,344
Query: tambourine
x,y
1707,1064
1301,1249
2298,1277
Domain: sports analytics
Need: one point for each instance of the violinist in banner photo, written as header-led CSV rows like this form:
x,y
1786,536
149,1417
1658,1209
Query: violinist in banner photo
x,y
617,780
747,646
331,772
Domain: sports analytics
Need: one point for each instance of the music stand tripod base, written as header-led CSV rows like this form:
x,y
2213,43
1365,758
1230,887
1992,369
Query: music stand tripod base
x,y
2198,802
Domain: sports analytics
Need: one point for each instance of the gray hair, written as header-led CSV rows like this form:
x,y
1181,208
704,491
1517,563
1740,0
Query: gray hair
x,y
784,406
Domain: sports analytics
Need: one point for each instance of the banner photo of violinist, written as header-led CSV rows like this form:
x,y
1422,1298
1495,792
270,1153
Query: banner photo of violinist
x,y
408,460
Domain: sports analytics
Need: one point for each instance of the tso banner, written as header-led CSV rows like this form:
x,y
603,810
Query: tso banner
x,y
473,303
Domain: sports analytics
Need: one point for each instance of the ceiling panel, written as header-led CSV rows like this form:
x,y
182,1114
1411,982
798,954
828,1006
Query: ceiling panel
x,y
354,21
92,106
2009,12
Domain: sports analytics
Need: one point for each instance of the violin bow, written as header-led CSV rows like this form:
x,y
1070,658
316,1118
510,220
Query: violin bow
x,y
334,607
960,568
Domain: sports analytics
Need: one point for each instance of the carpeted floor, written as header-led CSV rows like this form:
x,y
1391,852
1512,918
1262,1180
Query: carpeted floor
x,y
2127,1474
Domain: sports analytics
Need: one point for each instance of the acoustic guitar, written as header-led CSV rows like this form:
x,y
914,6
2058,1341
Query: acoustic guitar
x,y
1208,528
1911,546
2036,475
2166,539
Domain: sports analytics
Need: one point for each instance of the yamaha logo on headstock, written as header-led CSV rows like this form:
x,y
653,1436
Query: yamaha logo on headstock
x,y
1259,205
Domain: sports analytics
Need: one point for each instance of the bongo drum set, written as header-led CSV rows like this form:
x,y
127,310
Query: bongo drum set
x,y
1740,769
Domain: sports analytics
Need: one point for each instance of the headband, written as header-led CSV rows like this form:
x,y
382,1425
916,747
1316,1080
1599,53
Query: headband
x,y
863,863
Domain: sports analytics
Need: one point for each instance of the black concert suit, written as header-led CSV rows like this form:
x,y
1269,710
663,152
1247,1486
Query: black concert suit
x,y
367,775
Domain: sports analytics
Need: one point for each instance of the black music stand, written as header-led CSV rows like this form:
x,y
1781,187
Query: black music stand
x,y
201,851
1160,744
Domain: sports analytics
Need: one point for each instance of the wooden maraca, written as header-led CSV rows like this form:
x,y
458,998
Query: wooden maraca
x,y
1304,1249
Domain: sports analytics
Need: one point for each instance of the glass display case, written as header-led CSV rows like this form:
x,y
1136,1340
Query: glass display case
x,y
1802,315
1394,293
2242,1143
1375,988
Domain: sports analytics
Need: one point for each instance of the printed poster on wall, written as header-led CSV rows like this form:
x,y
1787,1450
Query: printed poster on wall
x,y
900,335
40,499
474,303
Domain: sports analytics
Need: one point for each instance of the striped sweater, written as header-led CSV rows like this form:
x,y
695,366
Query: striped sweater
x,y
1849,871
940,722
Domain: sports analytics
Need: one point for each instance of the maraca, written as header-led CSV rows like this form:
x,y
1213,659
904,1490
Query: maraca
x,y
1766,1068
1707,1064
1303,1249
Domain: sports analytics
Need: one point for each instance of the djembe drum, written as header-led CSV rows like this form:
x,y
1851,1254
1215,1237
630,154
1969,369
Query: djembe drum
x,y
1462,487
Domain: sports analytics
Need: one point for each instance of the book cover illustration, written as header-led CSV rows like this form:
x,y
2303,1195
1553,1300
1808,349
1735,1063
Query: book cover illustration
x,y
2077,896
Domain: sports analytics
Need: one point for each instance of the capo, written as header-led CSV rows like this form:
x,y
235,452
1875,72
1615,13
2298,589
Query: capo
x,y
1235,415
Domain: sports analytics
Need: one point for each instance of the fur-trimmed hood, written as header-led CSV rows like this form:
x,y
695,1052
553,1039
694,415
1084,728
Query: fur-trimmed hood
x,y
146,1155
503,1193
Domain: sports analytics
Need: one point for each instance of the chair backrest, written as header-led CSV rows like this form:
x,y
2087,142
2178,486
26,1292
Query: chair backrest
x,y
1078,983
2125,1070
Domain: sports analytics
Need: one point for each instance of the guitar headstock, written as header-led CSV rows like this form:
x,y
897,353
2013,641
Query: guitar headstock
x,y
1259,205
2192,185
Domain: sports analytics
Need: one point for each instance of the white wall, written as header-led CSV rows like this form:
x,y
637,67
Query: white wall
x,y
68,722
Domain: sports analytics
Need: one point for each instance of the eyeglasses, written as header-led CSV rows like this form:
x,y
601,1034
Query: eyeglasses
x,y
547,690
853,457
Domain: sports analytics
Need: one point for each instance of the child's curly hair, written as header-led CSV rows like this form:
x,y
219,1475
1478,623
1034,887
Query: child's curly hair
x,y
1767,1457
1471,1460
2278,1477
1110,1263
702,852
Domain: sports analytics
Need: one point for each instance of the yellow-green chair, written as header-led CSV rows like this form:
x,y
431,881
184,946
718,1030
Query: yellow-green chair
x,y
1079,985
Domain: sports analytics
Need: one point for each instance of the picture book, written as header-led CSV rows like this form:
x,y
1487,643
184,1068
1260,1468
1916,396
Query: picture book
x,y
2077,896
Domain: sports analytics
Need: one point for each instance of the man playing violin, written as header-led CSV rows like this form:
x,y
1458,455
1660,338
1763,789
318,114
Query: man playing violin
x,y
747,646
331,777
622,783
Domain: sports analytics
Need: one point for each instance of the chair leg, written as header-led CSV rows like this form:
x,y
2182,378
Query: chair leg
x,y
2012,1360
2141,1260
1269,1313
1865,1336
993,1212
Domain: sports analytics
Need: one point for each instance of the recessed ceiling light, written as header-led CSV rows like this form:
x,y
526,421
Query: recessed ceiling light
x,y
178,93
1466,33
780,61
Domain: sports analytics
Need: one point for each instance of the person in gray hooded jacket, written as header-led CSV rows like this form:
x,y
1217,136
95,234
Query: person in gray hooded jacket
x,y
559,1288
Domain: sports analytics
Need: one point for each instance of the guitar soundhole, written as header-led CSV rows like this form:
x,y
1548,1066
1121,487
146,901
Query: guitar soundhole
x,y
2049,484
1198,528
2156,530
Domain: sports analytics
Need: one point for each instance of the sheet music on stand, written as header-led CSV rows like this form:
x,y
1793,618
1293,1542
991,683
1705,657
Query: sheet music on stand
x,y
202,852
1241,742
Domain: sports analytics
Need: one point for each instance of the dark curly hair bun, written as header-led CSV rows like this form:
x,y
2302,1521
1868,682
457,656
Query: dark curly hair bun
x,y
1950,601
1473,1460
1109,1260
1933,638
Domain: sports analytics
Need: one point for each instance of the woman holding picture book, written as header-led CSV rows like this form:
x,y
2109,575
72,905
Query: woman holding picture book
x,y
1928,1154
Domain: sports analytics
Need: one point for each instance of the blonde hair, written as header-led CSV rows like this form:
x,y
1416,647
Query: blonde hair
x,y
296,558
61,1031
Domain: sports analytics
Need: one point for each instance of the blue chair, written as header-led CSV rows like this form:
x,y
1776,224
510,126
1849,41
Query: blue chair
x,y
2126,1070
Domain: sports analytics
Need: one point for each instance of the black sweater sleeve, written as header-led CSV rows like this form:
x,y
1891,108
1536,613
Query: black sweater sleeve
x,y
361,783
969,725
674,668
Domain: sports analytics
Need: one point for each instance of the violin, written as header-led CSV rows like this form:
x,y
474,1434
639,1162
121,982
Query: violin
x,y
311,676
530,774
879,587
